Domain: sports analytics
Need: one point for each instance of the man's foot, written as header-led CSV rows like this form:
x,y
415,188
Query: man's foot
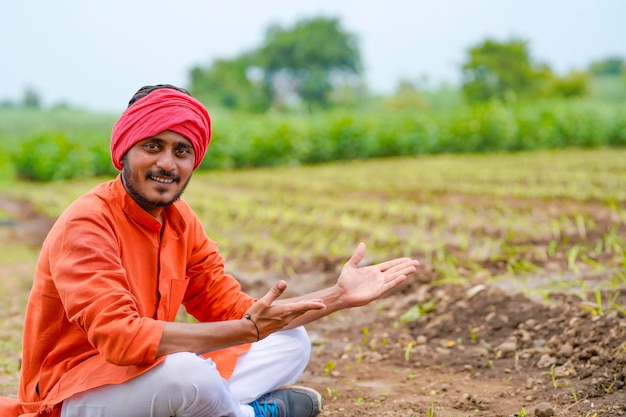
x,y
291,401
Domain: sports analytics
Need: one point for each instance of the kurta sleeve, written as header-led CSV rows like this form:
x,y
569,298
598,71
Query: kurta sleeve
x,y
212,294
96,292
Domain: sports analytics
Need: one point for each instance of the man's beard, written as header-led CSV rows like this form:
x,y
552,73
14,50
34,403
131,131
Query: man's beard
x,y
143,202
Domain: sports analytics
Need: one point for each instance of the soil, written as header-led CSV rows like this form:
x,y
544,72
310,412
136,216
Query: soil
x,y
474,349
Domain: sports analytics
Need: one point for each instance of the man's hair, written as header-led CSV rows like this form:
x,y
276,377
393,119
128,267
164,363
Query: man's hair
x,y
145,90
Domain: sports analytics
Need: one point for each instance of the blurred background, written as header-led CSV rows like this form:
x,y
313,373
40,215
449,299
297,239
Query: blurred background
x,y
304,82
257,56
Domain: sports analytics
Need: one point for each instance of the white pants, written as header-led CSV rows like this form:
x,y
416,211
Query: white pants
x,y
187,385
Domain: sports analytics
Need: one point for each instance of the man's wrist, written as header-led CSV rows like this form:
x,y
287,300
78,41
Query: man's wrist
x,y
337,299
248,317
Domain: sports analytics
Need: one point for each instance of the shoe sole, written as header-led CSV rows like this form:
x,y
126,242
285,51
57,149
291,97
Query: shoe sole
x,y
320,403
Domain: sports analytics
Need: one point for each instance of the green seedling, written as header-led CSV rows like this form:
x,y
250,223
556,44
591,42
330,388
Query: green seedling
x,y
431,410
407,350
332,393
598,296
600,308
329,367
522,413
555,381
415,313
572,256
609,388
613,241
472,332
581,226
366,332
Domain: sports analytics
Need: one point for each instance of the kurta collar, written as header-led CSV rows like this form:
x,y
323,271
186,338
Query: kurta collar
x,y
171,214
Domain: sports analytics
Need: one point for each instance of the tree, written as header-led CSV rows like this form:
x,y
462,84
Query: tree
x,y
302,64
230,84
613,66
309,60
496,69
608,78
406,97
31,99
574,84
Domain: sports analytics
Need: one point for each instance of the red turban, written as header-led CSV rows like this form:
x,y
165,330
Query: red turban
x,y
162,109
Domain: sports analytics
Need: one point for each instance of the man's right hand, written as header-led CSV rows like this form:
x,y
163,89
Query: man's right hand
x,y
271,317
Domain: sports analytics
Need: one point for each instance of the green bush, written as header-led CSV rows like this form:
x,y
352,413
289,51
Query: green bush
x,y
52,157
7,169
101,158
244,141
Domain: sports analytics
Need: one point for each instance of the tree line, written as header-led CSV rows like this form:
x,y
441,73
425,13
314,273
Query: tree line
x,y
316,65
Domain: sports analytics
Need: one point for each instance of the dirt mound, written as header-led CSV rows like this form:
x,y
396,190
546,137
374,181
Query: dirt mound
x,y
478,350
564,337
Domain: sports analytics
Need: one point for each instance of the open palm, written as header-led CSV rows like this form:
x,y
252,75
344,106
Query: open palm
x,y
361,285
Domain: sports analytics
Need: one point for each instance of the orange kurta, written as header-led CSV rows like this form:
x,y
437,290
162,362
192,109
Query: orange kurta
x,y
109,276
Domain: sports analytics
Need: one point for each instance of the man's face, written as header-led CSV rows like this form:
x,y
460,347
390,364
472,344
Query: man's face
x,y
156,170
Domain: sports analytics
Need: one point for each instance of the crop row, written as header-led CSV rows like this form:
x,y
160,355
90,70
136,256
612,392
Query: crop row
x,y
459,214
520,215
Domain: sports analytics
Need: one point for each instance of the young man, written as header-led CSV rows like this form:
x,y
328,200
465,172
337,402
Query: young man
x,y
100,336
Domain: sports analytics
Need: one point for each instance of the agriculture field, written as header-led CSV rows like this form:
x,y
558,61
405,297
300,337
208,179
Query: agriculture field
x,y
518,301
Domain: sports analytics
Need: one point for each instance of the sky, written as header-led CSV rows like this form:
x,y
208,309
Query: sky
x,y
96,54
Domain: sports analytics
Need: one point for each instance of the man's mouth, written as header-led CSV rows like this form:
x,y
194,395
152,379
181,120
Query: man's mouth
x,y
163,180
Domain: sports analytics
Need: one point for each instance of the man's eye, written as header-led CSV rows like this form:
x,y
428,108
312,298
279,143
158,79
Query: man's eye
x,y
183,151
151,146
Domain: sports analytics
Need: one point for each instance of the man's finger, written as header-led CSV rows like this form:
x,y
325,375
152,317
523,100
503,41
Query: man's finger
x,y
399,262
358,255
274,292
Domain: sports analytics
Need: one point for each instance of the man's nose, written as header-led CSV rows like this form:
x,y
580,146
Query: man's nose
x,y
166,161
